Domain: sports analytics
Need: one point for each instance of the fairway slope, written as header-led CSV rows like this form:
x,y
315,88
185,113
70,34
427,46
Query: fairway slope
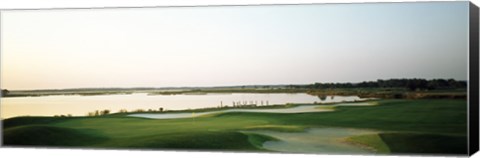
x,y
405,143
49,136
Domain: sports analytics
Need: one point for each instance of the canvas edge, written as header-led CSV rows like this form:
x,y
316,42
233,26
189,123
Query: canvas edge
x,y
473,109
473,66
1,63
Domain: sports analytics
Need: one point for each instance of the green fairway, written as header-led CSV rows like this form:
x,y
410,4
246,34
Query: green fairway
x,y
406,126
371,141
425,143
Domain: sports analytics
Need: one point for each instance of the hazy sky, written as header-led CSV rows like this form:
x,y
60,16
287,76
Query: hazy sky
x,y
215,46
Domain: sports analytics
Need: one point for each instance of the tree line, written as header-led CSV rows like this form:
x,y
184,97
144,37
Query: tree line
x,y
410,84
99,113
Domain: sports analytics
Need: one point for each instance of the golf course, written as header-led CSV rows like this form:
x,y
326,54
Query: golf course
x,y
377,126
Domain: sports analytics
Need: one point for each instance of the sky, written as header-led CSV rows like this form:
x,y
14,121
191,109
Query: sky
x,y
232,45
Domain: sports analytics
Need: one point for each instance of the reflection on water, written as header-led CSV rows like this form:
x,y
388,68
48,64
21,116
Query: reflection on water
x,y
81,105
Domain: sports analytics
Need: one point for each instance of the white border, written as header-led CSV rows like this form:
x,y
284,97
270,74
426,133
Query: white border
x,y
43,4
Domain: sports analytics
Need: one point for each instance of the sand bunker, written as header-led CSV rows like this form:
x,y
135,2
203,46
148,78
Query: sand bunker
x,y
297,109
314,140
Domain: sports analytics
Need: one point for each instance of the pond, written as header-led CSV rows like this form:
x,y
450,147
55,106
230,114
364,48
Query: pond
x,y
77,105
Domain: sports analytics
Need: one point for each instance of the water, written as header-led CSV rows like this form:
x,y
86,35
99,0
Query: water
x,y
80,105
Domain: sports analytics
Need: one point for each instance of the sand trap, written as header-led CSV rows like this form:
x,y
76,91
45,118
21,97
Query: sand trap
x,y
297,109
314,140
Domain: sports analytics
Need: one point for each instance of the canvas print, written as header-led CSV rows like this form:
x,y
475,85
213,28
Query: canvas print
x,y
369,78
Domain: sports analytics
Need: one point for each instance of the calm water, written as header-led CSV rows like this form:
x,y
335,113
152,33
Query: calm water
x,y
80,105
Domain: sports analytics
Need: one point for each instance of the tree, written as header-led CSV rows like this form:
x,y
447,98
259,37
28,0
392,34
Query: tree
x,y
4,92
417,84
139,110
322,97
104,112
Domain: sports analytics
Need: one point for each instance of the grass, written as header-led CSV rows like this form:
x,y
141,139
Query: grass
x,y
281,128
29,120
257,140
50,136
406,125
212,140
425,143
437,116
371,141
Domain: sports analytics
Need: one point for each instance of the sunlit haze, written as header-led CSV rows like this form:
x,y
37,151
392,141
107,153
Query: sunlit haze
x,y
232,45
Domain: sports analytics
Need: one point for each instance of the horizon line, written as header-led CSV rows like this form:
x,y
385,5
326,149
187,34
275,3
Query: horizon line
x,y
218,86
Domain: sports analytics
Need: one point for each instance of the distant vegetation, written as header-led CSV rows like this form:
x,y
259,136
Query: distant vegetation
x,y
205,109
391,88
47,92
409,84
68,115
99,113
4,92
